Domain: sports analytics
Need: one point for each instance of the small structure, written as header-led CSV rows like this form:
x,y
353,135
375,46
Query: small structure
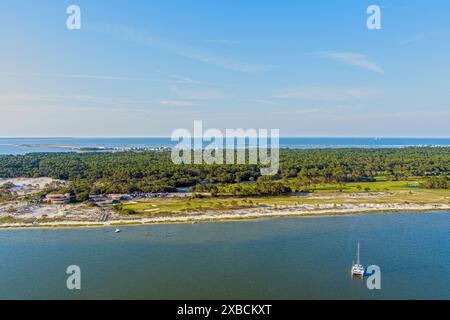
x,y
58,199
118,197
98,198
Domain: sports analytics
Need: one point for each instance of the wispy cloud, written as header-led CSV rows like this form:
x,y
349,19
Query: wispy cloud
x,y
8,100
225,41
333,109
178,77
178,103
198,94
171,78
328,93
142,38
261,101
352,59
422,37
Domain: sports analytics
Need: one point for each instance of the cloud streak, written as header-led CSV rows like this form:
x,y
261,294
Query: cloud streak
x,y
199,94
71,100
178,77
225,41
352,59
142,38
260,101
178,103
328,93
171,78
422,37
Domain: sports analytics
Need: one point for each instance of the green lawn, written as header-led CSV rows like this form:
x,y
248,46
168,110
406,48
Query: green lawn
x,y
377,186
390,192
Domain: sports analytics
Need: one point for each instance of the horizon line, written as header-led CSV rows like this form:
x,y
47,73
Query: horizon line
x,y
281,137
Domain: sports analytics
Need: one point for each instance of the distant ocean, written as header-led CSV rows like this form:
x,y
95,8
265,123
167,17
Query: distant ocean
x,y
29,145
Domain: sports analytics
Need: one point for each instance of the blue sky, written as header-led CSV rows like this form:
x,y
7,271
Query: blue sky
x,y
146,68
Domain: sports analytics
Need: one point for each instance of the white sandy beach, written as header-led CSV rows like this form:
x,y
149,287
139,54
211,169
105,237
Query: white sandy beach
x,y
288,211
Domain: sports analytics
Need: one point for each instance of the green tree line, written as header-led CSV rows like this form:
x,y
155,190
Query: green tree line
x,y
153,171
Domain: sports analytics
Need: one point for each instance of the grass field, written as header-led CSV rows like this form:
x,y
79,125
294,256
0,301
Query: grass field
x,y
377,186
381,192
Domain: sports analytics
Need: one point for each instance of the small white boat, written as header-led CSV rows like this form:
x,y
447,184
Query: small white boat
x,y
357,268
117,231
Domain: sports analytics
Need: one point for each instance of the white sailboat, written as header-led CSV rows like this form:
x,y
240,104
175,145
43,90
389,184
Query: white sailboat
x,y
357,268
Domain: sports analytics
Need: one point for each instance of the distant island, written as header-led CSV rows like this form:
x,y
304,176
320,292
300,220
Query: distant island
x,y
89,149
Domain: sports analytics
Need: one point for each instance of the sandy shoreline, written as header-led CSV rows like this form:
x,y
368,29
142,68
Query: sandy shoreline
x,y
248,214
22,214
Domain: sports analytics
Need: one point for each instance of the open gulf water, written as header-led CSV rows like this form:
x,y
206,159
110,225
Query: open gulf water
x,y
28,145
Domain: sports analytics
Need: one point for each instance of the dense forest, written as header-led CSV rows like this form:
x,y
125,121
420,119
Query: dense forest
x,y
153,171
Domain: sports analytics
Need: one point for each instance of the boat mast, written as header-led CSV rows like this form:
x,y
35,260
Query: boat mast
x,y
357,255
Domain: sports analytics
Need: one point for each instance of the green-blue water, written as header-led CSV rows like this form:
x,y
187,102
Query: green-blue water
x,y
301,258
